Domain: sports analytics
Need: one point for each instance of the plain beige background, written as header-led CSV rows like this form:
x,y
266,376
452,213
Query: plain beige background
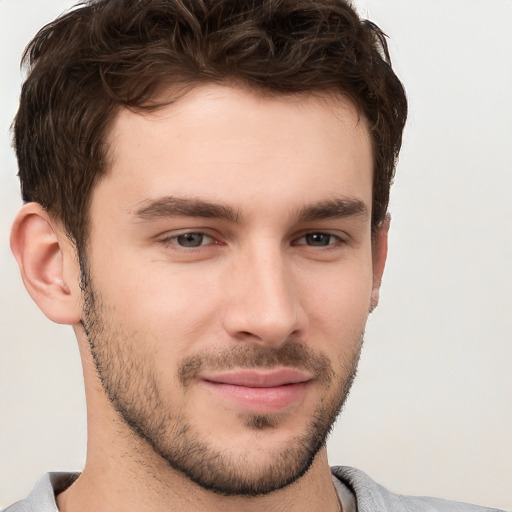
x,y
431,412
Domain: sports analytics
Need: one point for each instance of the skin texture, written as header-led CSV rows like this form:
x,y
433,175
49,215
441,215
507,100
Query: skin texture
x,y
231,234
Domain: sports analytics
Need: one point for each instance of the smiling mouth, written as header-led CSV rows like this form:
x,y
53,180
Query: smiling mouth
x,y
259,391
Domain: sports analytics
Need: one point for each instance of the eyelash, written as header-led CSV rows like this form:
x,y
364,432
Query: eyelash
x,y
333,240
173,240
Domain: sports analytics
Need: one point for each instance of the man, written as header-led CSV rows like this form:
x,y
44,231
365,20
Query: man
x,y
206,190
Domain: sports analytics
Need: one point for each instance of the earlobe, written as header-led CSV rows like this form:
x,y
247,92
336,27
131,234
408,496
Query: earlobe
x,y
47,262
379,255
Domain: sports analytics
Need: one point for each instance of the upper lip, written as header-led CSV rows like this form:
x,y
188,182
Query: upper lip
x,y
260,378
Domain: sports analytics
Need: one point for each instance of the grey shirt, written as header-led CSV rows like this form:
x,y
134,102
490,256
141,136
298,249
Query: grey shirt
x,y
367,495
372,497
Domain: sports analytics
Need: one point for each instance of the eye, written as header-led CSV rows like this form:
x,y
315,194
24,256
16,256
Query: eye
x,y
189,240
318,239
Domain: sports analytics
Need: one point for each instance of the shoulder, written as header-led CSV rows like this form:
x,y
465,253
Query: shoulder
x,y
372,497
42,496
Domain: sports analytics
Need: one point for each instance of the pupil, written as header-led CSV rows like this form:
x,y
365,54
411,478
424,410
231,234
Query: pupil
x,y
318,239
190,240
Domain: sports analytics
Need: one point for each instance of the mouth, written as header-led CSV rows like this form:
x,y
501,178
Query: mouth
x,y
259,391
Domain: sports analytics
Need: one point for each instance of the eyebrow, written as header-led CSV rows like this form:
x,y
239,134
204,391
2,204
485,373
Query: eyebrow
x,y
333,208
170,206
184,207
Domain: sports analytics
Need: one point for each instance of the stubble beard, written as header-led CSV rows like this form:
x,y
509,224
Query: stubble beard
x,y
128,378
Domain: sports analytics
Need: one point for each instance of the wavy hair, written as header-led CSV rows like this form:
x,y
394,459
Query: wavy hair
x,y
107,54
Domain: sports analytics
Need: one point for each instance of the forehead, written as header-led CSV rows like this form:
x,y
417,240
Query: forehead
x,y
231,144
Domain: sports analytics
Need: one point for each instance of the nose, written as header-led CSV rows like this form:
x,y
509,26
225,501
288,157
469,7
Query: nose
x,y
263,300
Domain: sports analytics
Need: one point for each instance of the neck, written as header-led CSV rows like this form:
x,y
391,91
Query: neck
x,y
121,483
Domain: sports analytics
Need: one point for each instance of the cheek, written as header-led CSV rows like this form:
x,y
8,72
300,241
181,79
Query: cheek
x,y
339,295
171,308
338,311
180,306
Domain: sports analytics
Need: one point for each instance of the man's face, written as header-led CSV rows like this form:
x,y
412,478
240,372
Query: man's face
x,y
229,277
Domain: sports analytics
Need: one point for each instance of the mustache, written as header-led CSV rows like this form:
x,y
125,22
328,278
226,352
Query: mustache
x,y
289,354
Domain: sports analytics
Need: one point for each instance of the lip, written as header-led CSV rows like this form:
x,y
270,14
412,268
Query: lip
x,y
259,391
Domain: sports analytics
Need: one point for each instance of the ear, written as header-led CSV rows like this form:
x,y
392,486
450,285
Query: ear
x,y
379,255
48,264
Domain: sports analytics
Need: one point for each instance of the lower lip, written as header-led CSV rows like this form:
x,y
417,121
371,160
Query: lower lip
x,y
260,400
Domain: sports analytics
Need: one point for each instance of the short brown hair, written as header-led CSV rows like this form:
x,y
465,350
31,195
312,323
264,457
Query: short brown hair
x,y
107,54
